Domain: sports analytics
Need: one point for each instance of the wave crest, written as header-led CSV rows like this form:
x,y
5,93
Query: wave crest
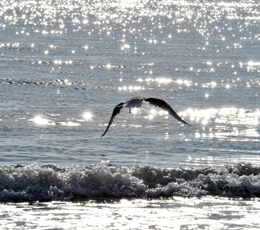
x,y
52,182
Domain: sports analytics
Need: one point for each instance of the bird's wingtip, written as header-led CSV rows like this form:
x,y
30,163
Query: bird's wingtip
x,y
186,123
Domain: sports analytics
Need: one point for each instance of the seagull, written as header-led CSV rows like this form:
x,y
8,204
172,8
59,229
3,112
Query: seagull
x,y
136,102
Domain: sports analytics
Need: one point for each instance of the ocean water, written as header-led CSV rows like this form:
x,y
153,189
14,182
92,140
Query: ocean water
x,y
66,64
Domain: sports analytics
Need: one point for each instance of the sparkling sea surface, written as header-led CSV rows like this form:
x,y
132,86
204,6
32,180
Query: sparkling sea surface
x,y
66,64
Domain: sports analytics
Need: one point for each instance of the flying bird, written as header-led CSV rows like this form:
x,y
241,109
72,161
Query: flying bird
x,y
136,102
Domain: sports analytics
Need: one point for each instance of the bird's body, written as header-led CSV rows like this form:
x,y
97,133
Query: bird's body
x,y
133,103
136,102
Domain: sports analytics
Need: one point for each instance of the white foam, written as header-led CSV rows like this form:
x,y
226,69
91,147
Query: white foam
x,y
51,182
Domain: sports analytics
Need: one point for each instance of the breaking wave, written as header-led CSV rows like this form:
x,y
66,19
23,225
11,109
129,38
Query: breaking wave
x,y
37,182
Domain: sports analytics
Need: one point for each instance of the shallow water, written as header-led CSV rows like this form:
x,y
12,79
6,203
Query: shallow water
x,y
176,213
65,66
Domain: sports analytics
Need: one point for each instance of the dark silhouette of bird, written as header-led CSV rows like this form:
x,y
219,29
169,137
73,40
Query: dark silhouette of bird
x,y
136,102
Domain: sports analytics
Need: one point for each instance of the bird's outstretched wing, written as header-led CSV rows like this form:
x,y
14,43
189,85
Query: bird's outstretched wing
x,y
163,105
116,111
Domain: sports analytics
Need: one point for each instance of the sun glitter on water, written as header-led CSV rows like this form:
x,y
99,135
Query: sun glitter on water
x,y
87,116
40,121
